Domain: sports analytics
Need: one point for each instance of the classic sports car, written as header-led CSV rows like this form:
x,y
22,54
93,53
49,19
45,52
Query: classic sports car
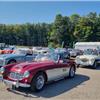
x,y
7,50
47,67
89,58
20,55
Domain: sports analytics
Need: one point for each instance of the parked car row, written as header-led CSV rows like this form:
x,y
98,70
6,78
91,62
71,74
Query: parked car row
x,y
45,67
36,67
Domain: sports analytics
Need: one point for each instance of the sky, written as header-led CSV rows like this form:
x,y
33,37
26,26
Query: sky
x,y
34,12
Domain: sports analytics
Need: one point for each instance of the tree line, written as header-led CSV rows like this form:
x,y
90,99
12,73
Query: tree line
x,y
64,30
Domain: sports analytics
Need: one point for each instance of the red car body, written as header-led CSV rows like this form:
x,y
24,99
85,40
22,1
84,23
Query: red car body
x,y
6,51
51,70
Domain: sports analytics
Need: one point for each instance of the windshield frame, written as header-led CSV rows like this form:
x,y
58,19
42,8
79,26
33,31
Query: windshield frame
x,y
90,52
49,57
19,51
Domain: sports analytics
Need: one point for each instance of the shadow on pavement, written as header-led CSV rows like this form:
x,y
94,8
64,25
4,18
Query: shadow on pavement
x,y
55,88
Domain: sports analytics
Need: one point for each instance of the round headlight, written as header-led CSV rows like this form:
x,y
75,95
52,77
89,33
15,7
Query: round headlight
x,y
91,61
2,69
26,74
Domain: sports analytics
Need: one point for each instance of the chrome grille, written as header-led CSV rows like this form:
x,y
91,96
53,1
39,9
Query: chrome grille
x,y
84,60
16,76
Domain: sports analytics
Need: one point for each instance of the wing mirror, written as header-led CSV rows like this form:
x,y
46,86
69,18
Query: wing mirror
x,y
59,60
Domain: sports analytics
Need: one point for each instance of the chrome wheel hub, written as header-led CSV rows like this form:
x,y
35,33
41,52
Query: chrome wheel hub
x,y
72,72
40,82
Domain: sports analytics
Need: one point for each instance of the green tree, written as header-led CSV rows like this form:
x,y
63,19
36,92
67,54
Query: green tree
x,y
88,28
61,30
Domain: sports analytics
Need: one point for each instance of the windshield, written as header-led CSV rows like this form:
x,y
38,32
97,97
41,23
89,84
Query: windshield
x,y
47,57
90,52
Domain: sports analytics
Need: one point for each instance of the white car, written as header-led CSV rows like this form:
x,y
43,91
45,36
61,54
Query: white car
x,y
89,58
40,50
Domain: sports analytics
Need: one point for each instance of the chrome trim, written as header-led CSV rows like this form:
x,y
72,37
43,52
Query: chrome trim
x,y
16,76
17,84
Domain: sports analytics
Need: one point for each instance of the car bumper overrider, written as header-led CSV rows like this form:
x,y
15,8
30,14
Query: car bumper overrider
x,y
16,84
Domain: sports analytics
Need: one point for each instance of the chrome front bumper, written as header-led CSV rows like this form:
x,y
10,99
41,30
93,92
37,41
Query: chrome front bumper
x,y
16,84
85,64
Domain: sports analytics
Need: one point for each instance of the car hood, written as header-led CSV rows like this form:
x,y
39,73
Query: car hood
x,y
28,66
86,56
5,56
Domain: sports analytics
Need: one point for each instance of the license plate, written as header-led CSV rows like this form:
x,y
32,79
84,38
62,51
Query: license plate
x,y
14,75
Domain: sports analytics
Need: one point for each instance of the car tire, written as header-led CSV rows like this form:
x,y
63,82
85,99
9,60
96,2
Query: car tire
x,y
72,72
94,65
38,82
11,61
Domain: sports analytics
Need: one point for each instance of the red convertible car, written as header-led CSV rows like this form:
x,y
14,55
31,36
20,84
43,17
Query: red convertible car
x,y
45,68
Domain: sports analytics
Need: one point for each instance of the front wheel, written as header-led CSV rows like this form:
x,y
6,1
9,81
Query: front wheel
x,y
38,82
72,72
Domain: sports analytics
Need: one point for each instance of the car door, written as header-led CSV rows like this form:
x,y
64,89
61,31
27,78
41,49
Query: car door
x,y
57,71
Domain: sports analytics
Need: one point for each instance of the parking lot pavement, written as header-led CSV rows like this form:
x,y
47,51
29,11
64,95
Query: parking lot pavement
x,y
85,86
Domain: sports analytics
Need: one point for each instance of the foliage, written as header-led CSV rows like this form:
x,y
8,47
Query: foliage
x,y
64,30
88,28
61,30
